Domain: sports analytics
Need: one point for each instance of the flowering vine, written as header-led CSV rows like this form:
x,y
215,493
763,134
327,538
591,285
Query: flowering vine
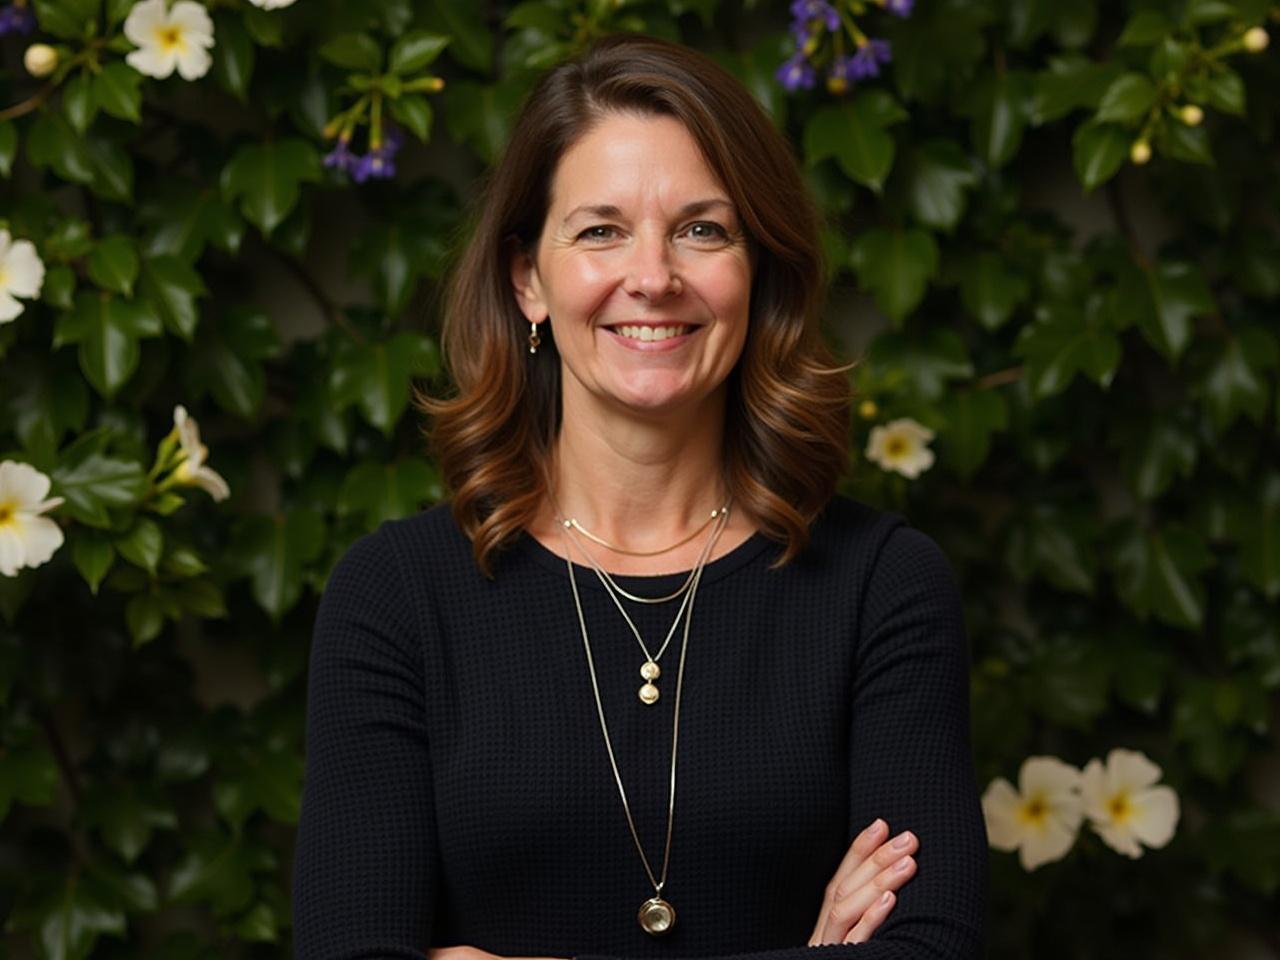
x,y
850,56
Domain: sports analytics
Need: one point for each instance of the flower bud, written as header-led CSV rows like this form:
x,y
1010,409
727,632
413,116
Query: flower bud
x,y
1140,152
867,409
40,59
1191,115
1256,39
837,85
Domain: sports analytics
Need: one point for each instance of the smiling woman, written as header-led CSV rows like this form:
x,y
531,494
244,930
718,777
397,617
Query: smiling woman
x,y
641,383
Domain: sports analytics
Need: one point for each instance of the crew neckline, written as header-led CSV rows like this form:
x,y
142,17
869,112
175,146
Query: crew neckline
x,y
646,585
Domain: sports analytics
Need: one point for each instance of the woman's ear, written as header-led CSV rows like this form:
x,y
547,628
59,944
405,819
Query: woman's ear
x,y
525,282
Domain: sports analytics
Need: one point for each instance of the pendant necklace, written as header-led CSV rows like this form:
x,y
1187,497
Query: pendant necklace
x,y
656,915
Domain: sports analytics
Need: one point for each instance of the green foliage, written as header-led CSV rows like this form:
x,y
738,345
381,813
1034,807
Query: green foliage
x,y
1062,218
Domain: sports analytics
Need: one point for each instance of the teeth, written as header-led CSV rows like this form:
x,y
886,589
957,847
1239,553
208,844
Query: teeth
x,y
652,333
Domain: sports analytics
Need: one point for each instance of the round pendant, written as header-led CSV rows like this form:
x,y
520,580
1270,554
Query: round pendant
x,y
649,693
650,671
656,916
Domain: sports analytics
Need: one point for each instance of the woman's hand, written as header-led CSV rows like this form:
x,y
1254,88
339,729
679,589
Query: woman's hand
x,y
855,902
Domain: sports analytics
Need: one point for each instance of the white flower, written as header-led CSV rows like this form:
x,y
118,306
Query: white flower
x,y
192,471
1123,805
900,445
26,538
21,274
165,38
40,59
1041,818
271,4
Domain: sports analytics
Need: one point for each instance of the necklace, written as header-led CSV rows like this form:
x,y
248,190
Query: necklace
x,y
572,521
649,670
656,915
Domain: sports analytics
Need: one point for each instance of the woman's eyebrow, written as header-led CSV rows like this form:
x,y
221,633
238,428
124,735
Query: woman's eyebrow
x,y
609,210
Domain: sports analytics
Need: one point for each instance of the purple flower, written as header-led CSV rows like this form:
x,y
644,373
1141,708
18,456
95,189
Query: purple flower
x,y
341,157
374,165
797,72
866,60
900,8
806,10
16,20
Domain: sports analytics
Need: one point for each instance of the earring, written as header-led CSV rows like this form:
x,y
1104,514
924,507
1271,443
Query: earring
x,y
534,339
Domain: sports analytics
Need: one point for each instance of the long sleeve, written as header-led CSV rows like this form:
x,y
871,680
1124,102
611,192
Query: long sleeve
x,y
910,759
365,864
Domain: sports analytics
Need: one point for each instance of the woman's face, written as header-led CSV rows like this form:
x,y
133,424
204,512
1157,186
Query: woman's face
x,y
640,238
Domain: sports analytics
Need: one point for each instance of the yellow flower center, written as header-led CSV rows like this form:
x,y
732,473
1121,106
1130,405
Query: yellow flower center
x,y
6,513
169,37
1120,808
1035,812
896,447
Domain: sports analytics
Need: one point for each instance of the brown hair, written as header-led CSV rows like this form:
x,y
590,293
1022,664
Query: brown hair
x,y
786,423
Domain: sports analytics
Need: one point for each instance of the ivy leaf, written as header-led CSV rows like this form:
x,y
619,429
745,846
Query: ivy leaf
x,y
376,376
93,555
414,111
117,89
274,551
107,330
1000,115
972,417
1129,97
73,921
856,135
920,364
233,55
127,815
1062,343
113,264
990,290
415,50
386,491
1047,541
29,775
219,870
480,115
1235,383
1144,29
78,101
227,359
142,544
938,177
1098,151
354,51
174,287
1258,534
1157,572
896,266
1155,452
466,26
1071,83
66,19
1179,294
96,483
144,616
52,143
267,179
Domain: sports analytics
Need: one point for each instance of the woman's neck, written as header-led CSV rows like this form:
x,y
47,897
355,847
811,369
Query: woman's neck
x,y
642,484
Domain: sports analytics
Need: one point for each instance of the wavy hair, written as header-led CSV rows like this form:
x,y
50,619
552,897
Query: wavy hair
x,y
787,409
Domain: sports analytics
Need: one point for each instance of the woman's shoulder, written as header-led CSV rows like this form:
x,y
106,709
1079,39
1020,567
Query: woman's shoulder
x,y
874,538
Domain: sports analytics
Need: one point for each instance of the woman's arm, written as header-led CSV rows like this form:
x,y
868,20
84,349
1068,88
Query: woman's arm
x,y
365,870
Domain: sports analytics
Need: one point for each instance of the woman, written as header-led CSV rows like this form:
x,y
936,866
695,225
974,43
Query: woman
x,y
643,562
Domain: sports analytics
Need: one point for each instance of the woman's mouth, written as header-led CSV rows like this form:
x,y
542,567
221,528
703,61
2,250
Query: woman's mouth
x,y
650,338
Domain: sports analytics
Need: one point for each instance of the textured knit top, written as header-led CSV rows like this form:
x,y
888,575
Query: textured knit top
x,y
458,790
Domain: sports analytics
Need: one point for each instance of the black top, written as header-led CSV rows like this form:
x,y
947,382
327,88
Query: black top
x,y
458,790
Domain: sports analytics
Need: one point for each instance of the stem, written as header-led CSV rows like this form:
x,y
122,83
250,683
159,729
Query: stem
x,y
999,378
29,104
1121,216
60,754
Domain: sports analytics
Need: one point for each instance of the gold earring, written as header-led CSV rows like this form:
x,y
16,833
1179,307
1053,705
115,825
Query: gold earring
x,y
534,339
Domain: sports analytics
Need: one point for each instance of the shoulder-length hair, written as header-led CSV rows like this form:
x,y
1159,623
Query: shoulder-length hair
x,y
786,425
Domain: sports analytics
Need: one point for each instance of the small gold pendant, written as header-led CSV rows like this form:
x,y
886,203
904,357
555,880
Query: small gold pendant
x,y
649,693
650,672
656,916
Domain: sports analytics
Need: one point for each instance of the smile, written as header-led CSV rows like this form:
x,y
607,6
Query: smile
x,y
650,338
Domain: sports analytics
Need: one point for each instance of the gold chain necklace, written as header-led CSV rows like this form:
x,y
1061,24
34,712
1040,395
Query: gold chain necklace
x,y
572,521
656,915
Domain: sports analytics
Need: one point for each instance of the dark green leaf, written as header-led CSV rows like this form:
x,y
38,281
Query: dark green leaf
x,y
142,545
1157,572
274,551
97,483
1144,29
938,177
376,376
1070,83
1098,150
896,267
93,555
107,330
990,290
414,111
972,417
117,89
415,50
78,101
466,25
920,364
1062,343
174,287
233,55
267,179
355,51
1130,97
1236,384
8,146
113,264
66,19
144,615
379,491
29,775
1001,112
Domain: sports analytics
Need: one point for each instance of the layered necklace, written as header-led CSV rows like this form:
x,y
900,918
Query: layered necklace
x,y
656,915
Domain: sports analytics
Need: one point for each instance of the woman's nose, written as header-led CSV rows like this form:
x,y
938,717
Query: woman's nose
x,y
650,268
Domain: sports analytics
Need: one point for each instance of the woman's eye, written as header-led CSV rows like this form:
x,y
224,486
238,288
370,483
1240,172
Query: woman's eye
x,y
719,233
590,234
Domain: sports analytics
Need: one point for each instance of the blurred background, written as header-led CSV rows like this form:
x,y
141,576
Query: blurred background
x,y
1053,236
